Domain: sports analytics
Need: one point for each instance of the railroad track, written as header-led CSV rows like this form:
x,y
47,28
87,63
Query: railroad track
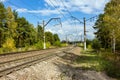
x,y
21,60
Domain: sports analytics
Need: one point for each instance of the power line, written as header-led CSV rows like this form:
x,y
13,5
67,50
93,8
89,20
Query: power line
x,y
84,22
66,8
92,18
57,9
74,18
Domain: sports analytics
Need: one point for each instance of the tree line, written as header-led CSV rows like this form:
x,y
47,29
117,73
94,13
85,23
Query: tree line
x,y
108,35
108,26
17,32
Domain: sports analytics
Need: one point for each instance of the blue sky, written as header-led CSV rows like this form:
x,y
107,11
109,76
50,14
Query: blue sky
x,y
38,10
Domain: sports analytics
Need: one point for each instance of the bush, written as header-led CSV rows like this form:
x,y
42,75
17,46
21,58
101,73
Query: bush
x,y
39,45
88,43
1,50
57,43
96,45
63,45
48,45
9,45
112,69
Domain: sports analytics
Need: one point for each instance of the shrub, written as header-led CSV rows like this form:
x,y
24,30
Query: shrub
x,y
39,45
96,45
48,45
88,43
1,50
9,45
63,45
57,43
113,70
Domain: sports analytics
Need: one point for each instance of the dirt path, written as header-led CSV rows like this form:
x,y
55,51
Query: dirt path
x,y
60,67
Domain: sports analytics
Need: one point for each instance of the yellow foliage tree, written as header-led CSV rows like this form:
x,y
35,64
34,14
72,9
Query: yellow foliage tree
x,y
9,45
11,24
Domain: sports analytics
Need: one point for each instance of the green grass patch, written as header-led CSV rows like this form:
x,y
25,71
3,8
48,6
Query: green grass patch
x,y
112,69
91,60
104,61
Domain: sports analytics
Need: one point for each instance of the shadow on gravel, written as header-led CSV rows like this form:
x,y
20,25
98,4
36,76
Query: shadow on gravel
x,y
68,72
71,72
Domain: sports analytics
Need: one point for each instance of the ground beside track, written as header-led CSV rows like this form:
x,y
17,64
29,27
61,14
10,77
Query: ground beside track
x,y
59,67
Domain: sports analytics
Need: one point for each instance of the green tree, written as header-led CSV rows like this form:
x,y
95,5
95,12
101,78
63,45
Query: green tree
x,y
96,44
108,24
15,13
56,37
102,33
11,24
57,40
39,33
49,37
2,23
112,20
26,33
88,43
9,45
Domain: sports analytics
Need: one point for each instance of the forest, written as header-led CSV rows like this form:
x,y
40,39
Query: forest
x,y
17,34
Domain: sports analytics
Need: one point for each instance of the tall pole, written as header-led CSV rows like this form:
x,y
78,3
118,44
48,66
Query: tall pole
x,y
44,44
81,38
114,41
44,25
84,34
66,41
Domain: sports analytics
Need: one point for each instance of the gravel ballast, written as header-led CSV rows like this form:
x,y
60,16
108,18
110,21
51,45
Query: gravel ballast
x,y
59,67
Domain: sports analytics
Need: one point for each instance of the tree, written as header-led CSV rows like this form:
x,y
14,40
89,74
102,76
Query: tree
x,y
9,31
112,20
96,44
56,38
102,34
11,24
49,37
39,33
9,45
88,43
17,32
2,23
108,25
2,14
26,33
15,13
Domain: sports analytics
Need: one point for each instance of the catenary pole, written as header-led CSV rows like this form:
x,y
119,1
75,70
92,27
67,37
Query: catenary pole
x,y
84,33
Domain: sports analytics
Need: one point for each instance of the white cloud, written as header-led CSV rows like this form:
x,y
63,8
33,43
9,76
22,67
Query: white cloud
x,y
21,10
44,12
2,0
49,30
86,6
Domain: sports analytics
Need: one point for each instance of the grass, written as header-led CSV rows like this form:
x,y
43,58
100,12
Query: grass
x,y
91,60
